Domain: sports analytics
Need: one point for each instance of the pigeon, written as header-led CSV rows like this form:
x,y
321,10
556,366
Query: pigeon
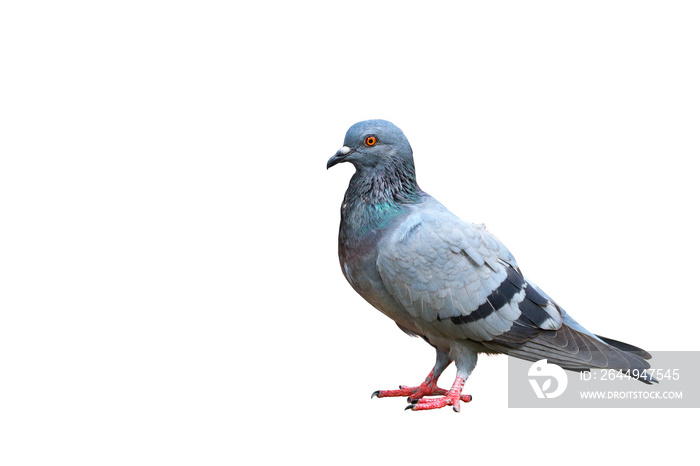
x,y
448,281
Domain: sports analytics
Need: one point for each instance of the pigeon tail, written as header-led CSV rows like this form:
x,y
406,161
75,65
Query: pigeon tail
x,y
574,350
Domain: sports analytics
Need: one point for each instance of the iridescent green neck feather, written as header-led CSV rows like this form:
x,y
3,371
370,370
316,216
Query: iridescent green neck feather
x,y
376,196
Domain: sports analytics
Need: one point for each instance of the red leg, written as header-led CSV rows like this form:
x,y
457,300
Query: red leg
x,y
428,387
450,398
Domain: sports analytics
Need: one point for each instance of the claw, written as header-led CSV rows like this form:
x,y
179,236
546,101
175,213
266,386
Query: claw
x,y
375,394
411,406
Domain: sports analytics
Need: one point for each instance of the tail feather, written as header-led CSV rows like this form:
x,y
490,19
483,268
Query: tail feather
x,y
577,351
626,347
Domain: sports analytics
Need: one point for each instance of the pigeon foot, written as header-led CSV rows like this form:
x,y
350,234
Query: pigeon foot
x,y
448,398
427,388
415,394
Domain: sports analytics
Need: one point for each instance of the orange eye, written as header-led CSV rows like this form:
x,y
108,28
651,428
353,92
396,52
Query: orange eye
x,y
371,140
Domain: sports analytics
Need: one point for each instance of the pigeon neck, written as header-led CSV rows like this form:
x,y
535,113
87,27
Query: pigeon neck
x,y
373,199
390,186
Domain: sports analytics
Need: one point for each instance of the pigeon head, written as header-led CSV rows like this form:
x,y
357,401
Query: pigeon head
x,y
383,160
374,144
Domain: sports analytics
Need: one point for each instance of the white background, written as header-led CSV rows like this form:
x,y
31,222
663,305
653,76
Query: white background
x,y
169,286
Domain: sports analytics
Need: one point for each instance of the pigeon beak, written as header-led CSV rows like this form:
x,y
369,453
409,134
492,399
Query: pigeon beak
x,y
338,157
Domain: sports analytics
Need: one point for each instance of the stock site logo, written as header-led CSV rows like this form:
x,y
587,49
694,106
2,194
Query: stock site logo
x,y
540,370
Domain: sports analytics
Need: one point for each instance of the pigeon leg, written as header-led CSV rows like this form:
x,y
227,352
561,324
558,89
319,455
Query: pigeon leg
x,y
465,359
450,398
427,388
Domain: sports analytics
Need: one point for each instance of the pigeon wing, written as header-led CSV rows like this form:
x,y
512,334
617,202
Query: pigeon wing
x,y
457,280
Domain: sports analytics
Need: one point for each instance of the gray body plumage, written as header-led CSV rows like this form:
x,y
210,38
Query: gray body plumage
x,y
448,281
